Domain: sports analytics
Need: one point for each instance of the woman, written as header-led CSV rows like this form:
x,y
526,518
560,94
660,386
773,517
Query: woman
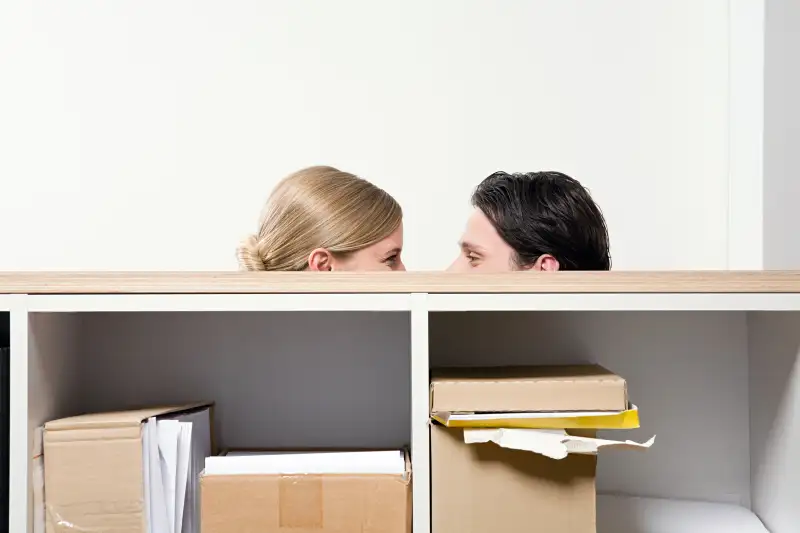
x,y
321,218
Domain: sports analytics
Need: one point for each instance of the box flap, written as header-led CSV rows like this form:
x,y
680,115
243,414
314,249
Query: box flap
x,y
521,389
118,419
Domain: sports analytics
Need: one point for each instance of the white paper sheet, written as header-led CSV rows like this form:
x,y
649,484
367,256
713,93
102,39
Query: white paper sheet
x,y
370,462
157,517
200,445
174,451
553,443
168,434
182,474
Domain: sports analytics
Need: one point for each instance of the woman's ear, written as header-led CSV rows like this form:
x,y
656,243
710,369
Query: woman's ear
x,y
320,260
545,263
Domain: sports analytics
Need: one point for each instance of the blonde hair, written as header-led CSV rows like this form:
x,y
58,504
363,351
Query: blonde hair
x,y
318,207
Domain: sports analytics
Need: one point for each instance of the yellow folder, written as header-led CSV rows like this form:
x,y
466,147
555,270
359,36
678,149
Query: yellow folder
x,y
628,419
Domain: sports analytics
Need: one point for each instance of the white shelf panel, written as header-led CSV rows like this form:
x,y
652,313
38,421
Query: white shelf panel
x,y
420,414
69,303
620,514
614,302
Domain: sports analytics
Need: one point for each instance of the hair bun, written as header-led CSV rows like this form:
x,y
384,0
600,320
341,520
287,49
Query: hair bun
x,y
249,255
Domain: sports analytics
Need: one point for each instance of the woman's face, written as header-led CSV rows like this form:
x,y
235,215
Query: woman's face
x,y
383,255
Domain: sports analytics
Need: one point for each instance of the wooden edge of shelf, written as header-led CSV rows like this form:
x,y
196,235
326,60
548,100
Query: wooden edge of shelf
x,y
686,282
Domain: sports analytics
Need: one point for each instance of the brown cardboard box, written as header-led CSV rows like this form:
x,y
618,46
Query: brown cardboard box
x,y
484,488
543,388
322,503
514,478
93,470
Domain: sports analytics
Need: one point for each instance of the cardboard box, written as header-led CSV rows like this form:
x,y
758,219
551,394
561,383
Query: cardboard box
x,y
507,462
543,388
94,469
249,502
485,488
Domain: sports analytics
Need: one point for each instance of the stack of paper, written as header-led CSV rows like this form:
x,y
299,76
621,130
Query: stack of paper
x,y
175,447
298,463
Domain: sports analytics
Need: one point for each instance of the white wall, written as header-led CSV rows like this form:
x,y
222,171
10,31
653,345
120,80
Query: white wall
x,y
146,135
774,346
782,135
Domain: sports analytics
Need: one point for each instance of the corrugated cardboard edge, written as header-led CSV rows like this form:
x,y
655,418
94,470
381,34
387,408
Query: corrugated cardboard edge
x,y
122,419
37,480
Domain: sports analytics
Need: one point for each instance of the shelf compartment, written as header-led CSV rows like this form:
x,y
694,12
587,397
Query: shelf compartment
x,y
617,514
717,388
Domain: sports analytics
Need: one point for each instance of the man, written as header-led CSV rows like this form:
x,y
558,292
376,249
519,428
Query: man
x,y
542,221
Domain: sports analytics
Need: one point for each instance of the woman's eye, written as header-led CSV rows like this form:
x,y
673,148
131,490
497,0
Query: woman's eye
x,y
391,260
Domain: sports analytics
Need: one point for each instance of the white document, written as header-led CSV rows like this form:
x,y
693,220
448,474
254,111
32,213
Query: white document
x,y
199,447
377,462
182,474
553,443
174,450
158,513
168,434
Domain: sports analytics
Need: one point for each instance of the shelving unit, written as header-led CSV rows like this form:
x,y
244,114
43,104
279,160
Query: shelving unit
x,y
305,360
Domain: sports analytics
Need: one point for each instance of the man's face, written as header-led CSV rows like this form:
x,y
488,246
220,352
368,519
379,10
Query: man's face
x,y
482,248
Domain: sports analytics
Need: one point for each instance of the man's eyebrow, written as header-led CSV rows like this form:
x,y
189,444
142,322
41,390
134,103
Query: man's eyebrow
x,y
466,245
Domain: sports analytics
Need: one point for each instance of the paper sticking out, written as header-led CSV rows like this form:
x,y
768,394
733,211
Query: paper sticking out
x,y
552,443
174,449
297,463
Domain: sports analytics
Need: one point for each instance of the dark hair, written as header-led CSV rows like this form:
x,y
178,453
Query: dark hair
x,y
539,213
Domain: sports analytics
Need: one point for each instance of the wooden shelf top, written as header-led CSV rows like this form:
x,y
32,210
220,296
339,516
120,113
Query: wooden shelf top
x,y
397,282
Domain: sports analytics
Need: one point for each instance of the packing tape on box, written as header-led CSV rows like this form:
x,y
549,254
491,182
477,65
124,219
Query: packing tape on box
x,y
556,444
300,502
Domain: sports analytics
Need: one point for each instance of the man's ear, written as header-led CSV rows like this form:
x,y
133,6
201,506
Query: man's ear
x,y
320,260
544,263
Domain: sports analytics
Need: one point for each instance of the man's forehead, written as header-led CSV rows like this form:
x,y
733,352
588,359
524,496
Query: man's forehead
x,y
478,221
479,228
